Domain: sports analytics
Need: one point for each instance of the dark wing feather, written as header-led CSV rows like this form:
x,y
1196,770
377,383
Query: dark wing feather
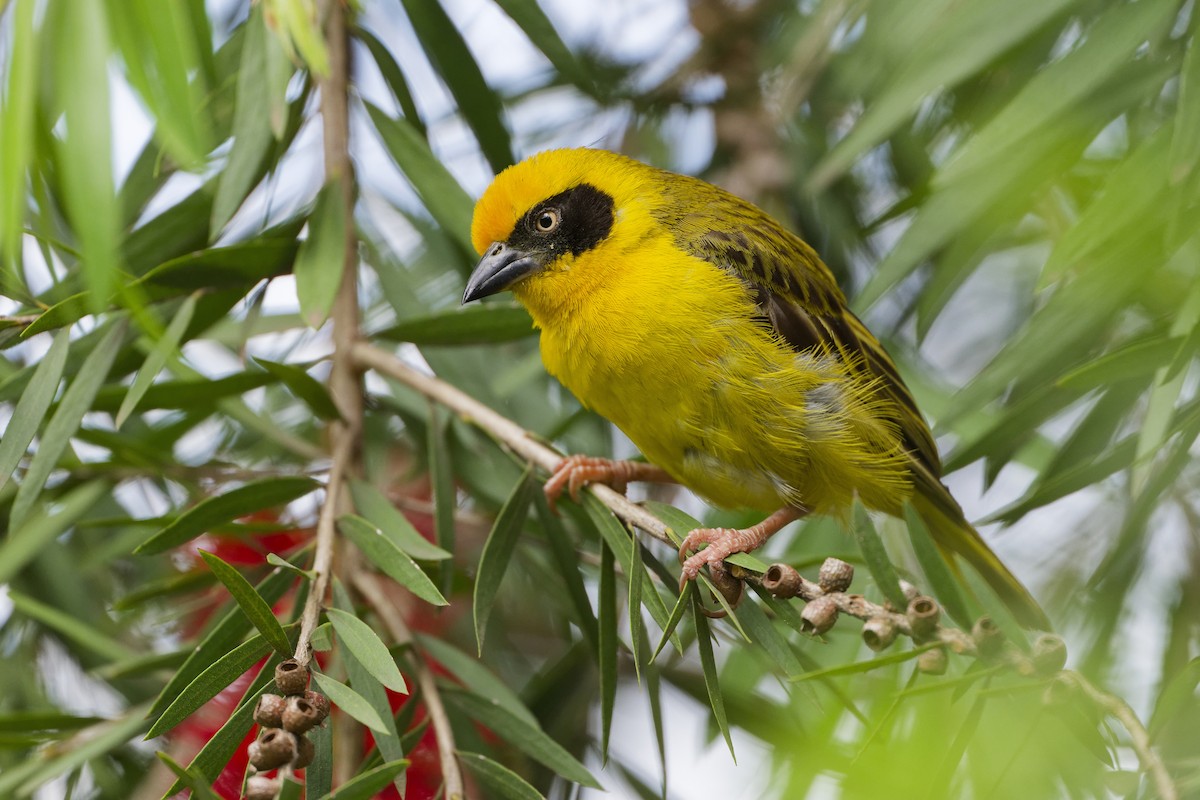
x,y
797,294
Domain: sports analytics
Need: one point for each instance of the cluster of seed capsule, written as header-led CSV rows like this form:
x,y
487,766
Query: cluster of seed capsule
x,y
284,721
921,620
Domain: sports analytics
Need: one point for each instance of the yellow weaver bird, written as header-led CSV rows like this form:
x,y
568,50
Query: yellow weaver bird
x,y
719,342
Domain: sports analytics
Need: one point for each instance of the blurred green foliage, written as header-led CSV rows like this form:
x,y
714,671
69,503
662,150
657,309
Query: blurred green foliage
x,y
1008,189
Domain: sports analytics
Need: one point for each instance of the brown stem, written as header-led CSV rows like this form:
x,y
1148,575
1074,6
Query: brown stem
x,y
1139,737
344,381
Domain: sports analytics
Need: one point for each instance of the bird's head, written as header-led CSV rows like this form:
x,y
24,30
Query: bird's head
x,y
541,219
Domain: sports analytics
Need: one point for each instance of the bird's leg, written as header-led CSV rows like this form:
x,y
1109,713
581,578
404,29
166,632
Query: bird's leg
x,y
575,472
724,542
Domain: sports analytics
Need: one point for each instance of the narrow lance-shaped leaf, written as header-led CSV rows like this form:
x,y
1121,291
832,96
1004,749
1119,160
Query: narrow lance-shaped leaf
x,y
24,543
222,672
475,676
876,557
322,257
304,386
32,406
164,348
394,562
530,739
81,53
17,115
498,778
251,127
478,324
373,505
708,666
350,701
493,561
479,105
214,511
76,401
608,645
941,582
256,609
368,648
368,784
213,757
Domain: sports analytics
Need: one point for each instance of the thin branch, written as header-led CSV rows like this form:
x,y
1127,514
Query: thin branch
x,y
368,586
344,381
984,642
1139,737
508,433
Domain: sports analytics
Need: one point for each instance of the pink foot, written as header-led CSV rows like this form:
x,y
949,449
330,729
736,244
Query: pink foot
x,y
575,472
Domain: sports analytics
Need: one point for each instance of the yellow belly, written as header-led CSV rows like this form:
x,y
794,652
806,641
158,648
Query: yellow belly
x,y
672,354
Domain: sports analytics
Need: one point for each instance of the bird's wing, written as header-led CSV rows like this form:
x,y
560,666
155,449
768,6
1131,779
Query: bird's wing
x,y
798,296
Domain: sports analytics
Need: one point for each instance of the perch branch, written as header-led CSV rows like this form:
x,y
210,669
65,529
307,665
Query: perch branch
x,y
504,430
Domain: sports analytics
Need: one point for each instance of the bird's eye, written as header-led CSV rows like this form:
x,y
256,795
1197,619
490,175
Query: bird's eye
x,y
547,221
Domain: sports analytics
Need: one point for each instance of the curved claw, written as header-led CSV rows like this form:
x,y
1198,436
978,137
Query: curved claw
x,y
575,472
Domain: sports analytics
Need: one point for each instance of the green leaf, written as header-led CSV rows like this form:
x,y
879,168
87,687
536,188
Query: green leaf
x,y
499,779
1177,695
164,348
351,702
961,44
163,65
100,740
392,76
368,648
1138,359
220,673
304,386
708,666
937,572
537,26
445,496
17,124
76,401
672,623
214,511
617,537
871,664
447,202
475,676
82,632
394,562
322,256
33,405
318,776
366,785
607,613
389,743
768,637
215,754
876,556
491,323
391,522
234,267
256,609
251,127
80,53
530,739
634,605
35,534
479,105
566,561
497,551
220,637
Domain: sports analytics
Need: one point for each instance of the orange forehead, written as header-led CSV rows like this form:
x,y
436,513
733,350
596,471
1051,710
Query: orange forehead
x,y
522,186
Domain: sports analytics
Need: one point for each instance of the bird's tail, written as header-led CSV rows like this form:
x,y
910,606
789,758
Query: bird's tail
x,y
954,534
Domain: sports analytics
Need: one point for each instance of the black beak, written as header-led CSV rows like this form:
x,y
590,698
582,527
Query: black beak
x,y
500,267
